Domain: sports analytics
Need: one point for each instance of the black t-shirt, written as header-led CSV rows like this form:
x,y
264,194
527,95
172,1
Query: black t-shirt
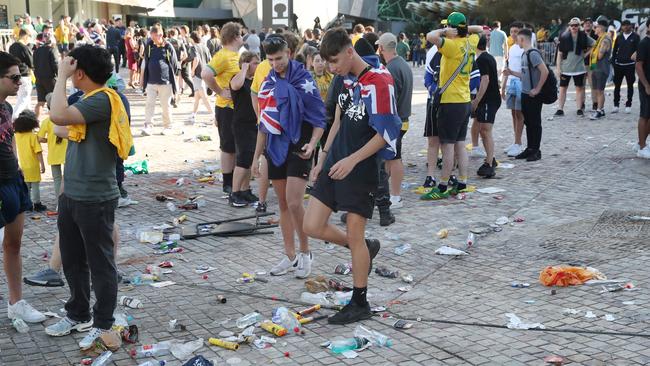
x,y
8,161
487,65
643,55
243,111
354,132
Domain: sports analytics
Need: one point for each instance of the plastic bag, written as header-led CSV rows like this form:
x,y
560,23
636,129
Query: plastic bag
x,y
568,276
137,167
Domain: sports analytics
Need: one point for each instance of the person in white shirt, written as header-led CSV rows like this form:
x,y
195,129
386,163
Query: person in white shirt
x,y
511,92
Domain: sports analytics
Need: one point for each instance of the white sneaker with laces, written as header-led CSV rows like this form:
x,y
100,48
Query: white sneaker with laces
x,y
477,152
396,202
285,265
303,270
24,311
514,150
628,110
615,110
67,325
166,131
644,153
90,338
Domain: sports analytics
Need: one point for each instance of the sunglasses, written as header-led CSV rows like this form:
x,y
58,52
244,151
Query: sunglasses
x,y
274,41
574,25
15,78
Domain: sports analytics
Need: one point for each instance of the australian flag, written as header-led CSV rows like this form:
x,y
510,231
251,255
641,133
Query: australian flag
x,y
285,103
376,90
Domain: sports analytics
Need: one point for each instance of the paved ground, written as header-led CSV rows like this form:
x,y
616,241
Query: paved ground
x,y
575,203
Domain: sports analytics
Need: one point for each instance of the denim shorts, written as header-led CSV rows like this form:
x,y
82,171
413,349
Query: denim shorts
x,y
513,95
14,199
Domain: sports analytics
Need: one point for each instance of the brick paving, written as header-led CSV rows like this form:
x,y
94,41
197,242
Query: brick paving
x,y
575,202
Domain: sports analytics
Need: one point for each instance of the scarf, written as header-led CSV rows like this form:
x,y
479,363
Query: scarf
x,y
593,59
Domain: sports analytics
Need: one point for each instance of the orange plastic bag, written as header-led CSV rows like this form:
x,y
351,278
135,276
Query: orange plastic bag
x,y
568,276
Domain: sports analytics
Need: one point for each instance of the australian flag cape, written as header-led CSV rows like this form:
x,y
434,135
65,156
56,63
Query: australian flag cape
x,y
376,90
285,103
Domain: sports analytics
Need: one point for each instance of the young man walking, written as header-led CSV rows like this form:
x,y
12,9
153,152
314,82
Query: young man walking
x,y
599,66
98,133
643,71
625,46
574,46
486,104
533,75
458,50
366,127
292,120
14,196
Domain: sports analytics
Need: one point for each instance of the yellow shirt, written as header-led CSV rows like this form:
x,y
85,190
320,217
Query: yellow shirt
x,y
510,41
16,32
423,43
262,71
28,148
323,83
62,34
55,150
225,65
356,37
453,51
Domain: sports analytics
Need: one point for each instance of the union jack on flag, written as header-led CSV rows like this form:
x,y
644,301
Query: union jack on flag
x,y
269,114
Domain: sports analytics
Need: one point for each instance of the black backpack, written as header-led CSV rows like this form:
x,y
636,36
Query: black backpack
x,y
548,94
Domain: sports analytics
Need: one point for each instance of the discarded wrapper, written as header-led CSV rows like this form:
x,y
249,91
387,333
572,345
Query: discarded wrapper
x,y
402,324
516,323
343,269
443,233
445,250
407,278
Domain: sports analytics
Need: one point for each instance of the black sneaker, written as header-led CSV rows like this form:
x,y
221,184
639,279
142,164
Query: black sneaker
x,y
39,207
580,112
486,170
351,313
452,182
534,156
249,196
439,163
429,182
373,248
386,218
559,113
261,207
236,200
525,154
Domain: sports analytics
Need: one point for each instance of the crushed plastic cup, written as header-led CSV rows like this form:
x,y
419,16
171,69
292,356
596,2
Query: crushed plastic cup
x,y
171,207
20,325
400,250
153,237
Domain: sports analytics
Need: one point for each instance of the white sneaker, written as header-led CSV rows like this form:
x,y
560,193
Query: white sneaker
x,y
303,269
285,265
637,147
90,338
644,153
514,150
146,131
477,152
67,325
166,131
508,148
615,110
628,110
123,202
24,311
396,202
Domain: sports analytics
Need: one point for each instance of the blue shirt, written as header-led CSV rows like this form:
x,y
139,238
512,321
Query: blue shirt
x,y
497,39
158,65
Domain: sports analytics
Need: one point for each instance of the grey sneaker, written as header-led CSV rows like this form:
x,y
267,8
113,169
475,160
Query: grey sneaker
x,y
46,277
90,338
67,325
303,270
284,266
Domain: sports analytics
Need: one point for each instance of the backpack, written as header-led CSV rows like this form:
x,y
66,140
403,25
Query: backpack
x,y
548,94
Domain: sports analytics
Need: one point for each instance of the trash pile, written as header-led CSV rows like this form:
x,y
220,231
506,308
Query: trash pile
x,y
568,275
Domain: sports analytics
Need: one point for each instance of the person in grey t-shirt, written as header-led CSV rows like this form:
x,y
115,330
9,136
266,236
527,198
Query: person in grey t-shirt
x,y
403,78
599,65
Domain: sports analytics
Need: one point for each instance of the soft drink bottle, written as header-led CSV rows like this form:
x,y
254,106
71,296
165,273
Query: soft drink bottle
x,y
348,344
374,337
151,350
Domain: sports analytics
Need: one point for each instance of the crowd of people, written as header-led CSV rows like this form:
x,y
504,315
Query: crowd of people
x,y
324,113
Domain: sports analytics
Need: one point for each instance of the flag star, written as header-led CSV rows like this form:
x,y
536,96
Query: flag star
x,y
308,86
392,143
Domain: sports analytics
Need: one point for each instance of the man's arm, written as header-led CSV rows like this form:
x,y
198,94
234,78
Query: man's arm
x,y
308,148
558,62
475,29
259,148
435,37
322,156
543,70
207,74
485,80
237,81
604,48
61,114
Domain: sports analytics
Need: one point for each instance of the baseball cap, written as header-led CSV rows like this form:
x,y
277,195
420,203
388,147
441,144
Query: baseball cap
x,y
574,20
455,19
387,40
363,47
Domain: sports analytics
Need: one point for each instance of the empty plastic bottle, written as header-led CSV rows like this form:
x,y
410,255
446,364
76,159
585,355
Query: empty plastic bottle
x,y
319,298
400,250
248,320
171,207
281,316
103,359
348,344
20,325
151,350
471,240
374,337
154,363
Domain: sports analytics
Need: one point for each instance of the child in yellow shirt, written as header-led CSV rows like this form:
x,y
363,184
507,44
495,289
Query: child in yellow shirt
x,y
56,147
30,155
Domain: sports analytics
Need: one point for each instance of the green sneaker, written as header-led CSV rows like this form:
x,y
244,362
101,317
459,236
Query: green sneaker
x,y
435,194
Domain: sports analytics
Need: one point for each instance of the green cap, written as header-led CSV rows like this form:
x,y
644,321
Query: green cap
x,y
455,19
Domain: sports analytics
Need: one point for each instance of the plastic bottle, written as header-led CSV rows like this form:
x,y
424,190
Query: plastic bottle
x,y
154,363
471,240
143,279
400,250
151,350
171,207
248,320
183,351
131,302
348,344
319,298
282,317
103,359
374,337
20,325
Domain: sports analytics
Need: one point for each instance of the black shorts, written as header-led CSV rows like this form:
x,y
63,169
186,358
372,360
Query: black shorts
x,y
644,101
43,88
226,134
486,112
294,166
431,124
14,199
344,195
245,140
398,155
452,122
578,80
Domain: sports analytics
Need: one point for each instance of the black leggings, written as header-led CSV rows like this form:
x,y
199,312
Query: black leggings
x,y
185,74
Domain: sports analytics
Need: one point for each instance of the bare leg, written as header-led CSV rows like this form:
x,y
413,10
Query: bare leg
x,y
295,196
38,109
474,132
643,130
263,180
580,97
13,262
461,157
227,162
432,154
519,127
395,169
447,161
316,224
562,98
241,179
286,223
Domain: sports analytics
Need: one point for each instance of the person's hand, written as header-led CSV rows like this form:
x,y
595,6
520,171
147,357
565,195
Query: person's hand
x,y
474,104
255,169
450,32
67,67
534,92
316,171
225,93
506,72
342,168
42,169
244,66
307,151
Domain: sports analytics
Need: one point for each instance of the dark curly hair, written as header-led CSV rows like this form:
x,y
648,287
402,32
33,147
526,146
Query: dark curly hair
x,y
26,121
